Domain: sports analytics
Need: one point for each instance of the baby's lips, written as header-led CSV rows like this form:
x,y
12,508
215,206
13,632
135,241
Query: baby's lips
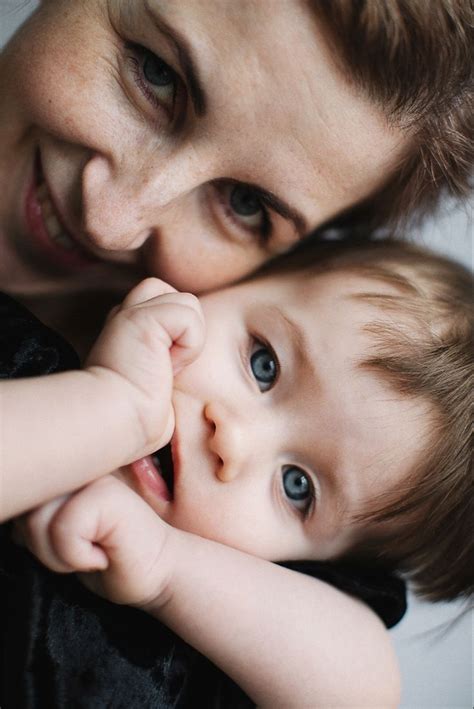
x,y
148,479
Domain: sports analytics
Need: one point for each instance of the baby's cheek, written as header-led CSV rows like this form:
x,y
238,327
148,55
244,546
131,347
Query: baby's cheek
x,y
229,527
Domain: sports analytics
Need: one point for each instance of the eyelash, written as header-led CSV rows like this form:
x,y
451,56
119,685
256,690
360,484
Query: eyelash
x,y
312,495
222,191
255,345
136,53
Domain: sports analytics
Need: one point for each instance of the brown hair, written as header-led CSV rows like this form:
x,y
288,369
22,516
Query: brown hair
x,y
415,59
425,350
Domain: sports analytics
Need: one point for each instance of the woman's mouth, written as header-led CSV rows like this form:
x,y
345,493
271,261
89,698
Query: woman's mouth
x,y
55,244
155,474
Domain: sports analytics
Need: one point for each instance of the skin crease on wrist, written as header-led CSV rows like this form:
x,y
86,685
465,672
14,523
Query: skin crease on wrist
x,y
140,138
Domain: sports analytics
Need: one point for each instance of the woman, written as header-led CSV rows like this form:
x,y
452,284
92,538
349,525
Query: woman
x,y
195,140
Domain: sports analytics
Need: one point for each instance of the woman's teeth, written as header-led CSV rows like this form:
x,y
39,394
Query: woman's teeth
x,y
54,228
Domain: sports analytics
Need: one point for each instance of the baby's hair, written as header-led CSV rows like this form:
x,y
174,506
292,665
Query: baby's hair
x,y
415,59
425,350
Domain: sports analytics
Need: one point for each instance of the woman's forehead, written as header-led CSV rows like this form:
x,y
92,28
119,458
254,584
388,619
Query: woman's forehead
x,y
273,108
277,103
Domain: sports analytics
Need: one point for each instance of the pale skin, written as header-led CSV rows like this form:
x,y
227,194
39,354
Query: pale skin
x,y
108,527
149,175
140,180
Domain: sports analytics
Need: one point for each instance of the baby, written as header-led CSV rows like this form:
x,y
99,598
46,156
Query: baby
x,y
315,411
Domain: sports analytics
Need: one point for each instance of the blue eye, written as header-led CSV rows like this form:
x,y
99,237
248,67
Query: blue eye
x,y
156,71
244,200
264,366
157,81
298,487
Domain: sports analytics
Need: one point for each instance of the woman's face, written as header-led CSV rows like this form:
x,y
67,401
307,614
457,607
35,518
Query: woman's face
x,y
191,140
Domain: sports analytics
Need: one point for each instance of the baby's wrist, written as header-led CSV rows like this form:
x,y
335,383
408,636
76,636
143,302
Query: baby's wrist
x,y
171,562
121,407
146,418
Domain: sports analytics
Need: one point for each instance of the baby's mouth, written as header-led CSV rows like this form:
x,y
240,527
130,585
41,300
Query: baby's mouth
x,y
163,462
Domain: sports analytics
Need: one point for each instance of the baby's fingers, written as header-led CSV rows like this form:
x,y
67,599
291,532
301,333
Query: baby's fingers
x,y
146,290
33,530
175,319
113,519
181,316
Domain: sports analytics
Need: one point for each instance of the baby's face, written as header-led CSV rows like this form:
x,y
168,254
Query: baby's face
x,y
280,436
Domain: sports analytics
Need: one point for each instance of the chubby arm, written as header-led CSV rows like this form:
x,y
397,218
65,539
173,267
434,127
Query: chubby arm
x,y
62,431
286,639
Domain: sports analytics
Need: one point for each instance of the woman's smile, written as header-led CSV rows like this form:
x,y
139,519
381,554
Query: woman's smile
x,y
56,246
145,150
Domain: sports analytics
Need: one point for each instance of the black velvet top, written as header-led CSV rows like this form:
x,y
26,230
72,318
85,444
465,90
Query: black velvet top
x,y
62,647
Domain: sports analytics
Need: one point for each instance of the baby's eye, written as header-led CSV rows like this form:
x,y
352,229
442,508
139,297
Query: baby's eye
x,y
264,366
154,77
298,488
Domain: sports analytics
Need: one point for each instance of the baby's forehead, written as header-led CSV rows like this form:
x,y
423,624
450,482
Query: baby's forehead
x,y
342,286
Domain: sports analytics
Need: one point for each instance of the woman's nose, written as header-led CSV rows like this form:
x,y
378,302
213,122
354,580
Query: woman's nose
x,y
126,200
227,440
113,211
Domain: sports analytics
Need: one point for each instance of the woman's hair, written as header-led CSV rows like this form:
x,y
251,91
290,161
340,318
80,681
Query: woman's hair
x,y
424,349
415,59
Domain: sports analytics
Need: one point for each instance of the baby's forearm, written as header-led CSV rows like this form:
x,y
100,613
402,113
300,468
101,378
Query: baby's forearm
x,y
286,639
63,431
60,432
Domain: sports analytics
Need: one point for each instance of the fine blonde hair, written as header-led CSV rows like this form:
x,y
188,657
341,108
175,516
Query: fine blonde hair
x,y
425,350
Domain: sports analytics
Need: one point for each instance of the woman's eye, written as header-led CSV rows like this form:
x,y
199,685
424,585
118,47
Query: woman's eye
x,y
246,208
264,366
298,488
245,203
154,77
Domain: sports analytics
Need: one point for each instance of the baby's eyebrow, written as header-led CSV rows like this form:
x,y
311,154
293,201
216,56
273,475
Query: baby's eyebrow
x,y
297,338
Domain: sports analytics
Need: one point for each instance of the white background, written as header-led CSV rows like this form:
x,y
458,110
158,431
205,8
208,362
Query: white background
x,y
434,649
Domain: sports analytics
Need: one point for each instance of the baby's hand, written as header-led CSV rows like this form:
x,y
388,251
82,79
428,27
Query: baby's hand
x,y
107,533
149,338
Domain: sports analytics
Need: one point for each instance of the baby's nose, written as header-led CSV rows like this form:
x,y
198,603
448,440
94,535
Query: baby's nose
x,y
226,441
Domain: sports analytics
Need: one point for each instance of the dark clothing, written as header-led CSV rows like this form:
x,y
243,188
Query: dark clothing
x,y
61,647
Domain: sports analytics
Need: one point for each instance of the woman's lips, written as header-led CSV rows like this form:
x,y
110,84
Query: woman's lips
x,y
54,243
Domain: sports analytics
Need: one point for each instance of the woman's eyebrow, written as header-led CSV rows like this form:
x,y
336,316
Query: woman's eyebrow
x,y
198,97
185,57
284,209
